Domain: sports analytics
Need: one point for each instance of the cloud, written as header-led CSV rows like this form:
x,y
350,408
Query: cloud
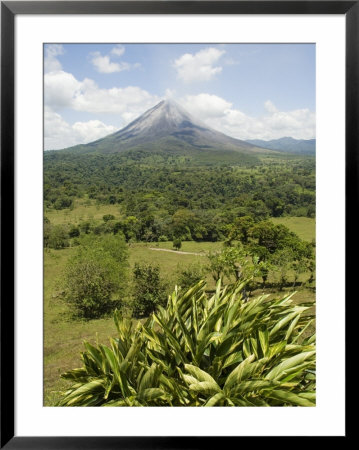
x,y
63,90
104,64
118,50
51,63
169,93
205,106
220,115
60,134
60,89
199,66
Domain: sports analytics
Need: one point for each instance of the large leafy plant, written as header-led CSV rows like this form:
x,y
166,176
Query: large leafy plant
x,y
203,350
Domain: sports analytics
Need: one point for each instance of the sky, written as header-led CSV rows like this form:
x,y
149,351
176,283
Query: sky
x,y
247,91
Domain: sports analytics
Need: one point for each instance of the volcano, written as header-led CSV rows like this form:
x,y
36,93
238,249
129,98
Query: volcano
x,y
167,126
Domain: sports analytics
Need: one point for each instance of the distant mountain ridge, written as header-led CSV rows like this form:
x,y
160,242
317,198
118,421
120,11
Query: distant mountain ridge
x,y
169,127
288,145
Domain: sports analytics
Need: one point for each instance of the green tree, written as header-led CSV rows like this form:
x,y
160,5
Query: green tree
x,y
190,275
311,267
218,266
86,227
241,229
183,224
299,266
74,231
282,261
177,243
55,236
148,289
95,278
108,217
63,202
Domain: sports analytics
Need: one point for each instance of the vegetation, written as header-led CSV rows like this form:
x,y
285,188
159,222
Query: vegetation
x,y
190,275
94,274
176,199
203,351
148,291
113,228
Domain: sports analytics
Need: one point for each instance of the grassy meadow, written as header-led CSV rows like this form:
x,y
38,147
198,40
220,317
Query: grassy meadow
x,y
83,210
304,227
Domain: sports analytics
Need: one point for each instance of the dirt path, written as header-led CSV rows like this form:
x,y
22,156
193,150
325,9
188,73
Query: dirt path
x,y
177,251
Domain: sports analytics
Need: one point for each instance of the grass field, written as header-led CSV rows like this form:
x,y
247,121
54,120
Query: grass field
x,y
83,210
304,227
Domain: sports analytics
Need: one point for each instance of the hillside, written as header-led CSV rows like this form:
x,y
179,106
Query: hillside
x,y
288,145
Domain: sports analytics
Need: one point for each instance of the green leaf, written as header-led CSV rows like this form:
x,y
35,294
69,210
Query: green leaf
x,y
264,341
150,394
151,378
215,399
235,376
205,387
290,397
289,364
199,374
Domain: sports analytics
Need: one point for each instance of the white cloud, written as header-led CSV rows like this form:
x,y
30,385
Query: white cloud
x,y
63,90
205,106
199,66
118,50
220,115
51,62
60,134
169,93
60,88
103,64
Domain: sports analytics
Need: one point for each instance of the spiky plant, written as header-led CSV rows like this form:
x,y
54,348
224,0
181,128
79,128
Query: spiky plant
x,y
203,351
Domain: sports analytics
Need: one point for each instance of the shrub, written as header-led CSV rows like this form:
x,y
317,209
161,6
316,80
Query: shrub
x,y
108,217
203,351
190,275
74,231
177,243
55,236
86,227
63,202
94,275
148,289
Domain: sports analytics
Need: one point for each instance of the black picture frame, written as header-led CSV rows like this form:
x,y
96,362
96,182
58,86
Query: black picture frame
x,y
8,12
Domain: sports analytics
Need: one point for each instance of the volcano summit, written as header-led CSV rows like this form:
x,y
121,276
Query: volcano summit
x,y
166,126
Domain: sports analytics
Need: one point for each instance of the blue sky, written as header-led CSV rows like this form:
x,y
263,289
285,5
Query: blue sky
x,y
247,91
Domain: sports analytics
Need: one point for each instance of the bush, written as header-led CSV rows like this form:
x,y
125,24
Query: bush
x,y
177,243
108,217
148,289
86,227
74,232
203,351
94,275
190,276
55,236
63,202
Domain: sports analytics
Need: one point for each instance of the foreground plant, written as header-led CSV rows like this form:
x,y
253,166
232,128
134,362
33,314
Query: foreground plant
x,y
203,351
